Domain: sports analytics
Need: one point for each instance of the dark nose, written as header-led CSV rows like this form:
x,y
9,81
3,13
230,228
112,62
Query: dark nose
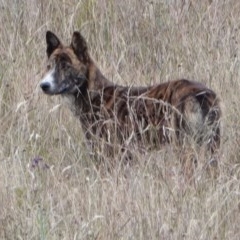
x,y
45,86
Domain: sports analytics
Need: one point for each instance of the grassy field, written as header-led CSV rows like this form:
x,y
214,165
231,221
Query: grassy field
x,y
49,186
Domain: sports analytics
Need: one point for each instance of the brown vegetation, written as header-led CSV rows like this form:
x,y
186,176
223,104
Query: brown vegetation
x,y
49,187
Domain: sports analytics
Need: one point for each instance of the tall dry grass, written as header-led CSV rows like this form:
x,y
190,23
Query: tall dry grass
x,y
49,187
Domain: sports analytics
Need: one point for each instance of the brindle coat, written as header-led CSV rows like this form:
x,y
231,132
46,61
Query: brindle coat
x,y
148,117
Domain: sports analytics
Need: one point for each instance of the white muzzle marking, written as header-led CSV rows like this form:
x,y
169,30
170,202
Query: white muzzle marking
x,y
48,82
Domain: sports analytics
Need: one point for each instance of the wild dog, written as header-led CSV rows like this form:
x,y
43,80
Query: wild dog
x,y
149,117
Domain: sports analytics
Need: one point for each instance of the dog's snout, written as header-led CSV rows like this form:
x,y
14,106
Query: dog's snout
x,y
45,86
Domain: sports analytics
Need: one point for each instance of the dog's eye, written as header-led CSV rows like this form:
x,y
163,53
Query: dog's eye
x,y
64,64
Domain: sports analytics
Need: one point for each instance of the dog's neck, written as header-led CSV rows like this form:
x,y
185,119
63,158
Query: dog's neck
x,y
96,80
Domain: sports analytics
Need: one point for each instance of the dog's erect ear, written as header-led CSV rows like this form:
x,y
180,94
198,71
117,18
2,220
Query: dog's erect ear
x,y
79,46
52,42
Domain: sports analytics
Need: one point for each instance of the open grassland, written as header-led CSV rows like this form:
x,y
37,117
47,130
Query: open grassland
x,y
49,186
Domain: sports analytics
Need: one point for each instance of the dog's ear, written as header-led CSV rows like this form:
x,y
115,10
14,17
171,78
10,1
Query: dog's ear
x,y
79,46
52,42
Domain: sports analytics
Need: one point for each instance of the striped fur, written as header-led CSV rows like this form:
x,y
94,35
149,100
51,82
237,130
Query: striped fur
x,y
147,117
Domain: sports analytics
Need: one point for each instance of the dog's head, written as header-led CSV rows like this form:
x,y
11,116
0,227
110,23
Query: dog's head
x,y
67,67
